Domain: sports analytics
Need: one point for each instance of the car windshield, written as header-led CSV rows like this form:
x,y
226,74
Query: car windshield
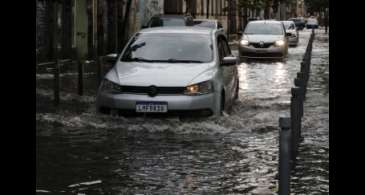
x,y
207,24
169,47
312,21
264,29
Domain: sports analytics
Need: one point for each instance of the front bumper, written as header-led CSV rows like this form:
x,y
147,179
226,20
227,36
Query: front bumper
x,y
311,26
270,52
176,103
293,40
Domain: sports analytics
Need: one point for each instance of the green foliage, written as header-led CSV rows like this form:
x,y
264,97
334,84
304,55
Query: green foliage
x,y
316,5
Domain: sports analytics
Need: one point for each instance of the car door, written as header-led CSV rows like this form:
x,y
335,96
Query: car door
x,y
229,72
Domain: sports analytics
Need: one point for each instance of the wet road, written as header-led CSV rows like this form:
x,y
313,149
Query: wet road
x,y
81,152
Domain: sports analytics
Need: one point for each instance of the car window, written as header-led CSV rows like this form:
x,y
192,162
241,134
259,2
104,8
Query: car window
x,y
169,47
223,49
227,50
173,22
289,25
264,28
155,22
207,24
220,50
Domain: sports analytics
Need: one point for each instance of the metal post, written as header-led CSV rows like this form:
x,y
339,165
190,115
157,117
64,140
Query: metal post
x,y
300,83
295,121
284,156
303,66
80,78
302,80
56,90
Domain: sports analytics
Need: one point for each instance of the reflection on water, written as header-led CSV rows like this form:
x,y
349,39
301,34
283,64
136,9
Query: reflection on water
x,y
81,152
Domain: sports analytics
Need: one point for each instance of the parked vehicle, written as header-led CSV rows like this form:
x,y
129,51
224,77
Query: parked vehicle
x,y
292,32
264,39
169,70
169,20
312,23
299,23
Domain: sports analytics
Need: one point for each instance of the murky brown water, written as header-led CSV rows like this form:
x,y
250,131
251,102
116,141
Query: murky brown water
x,y
81,152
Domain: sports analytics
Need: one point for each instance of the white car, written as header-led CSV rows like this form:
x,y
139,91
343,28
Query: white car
x,y
171,69
292,32
264,39
312,23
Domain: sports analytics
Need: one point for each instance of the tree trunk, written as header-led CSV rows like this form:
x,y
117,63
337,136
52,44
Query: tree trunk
x,y
282,10
207,8
124,35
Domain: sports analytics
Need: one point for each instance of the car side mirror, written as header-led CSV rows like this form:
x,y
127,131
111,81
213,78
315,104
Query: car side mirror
x,y
239,34
111,58
229,61
144,26
287,34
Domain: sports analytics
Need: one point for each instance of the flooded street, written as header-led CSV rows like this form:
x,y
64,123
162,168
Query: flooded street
x,y
79,151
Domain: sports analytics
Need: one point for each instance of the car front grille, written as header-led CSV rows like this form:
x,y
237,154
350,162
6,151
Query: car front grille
x,y
264,45
146,90
266,54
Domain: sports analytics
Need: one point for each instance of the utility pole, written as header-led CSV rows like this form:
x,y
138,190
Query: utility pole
x,y
95,26
125,24
282,10
207,9
116,21
229,19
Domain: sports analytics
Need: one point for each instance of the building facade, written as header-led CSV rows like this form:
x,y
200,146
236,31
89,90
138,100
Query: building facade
x,y
89,28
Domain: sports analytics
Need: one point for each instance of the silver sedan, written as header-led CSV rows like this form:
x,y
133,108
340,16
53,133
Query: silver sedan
x,y
171,69
292,32
264,39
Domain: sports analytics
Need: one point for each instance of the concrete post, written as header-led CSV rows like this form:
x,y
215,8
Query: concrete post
x,y
284,156
295,121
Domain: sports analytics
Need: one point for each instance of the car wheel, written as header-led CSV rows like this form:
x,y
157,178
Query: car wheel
x,y
220,108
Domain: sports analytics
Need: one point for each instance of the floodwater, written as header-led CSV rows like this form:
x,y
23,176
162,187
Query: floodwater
x,y
80,152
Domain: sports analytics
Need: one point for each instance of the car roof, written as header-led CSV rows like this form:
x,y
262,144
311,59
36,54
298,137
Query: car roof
x,y
287,21
170,16
265,22
178,29
207,20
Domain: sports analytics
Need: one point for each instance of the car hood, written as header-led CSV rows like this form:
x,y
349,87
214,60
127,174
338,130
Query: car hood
x,y
264,38
160,74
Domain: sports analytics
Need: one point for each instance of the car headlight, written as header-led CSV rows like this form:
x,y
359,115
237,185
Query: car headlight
x,y
110,86
199,89
244,42
279,43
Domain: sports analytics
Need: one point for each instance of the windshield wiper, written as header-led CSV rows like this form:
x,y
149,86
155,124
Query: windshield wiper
x,y
137,46
139,60
183,61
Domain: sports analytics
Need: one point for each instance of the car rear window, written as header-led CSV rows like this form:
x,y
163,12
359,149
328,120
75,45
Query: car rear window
x,y
173,22
207,24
